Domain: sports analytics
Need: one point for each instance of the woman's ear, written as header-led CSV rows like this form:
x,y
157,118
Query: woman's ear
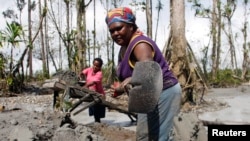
x,y
131,28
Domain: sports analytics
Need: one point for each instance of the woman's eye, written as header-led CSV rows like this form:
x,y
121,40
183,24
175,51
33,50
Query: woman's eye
x,y
116,29
119,28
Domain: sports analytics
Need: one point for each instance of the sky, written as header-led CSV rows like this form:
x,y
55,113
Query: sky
x,y
197,29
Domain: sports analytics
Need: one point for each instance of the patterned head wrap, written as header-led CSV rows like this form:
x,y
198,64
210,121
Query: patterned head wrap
x,y
122,14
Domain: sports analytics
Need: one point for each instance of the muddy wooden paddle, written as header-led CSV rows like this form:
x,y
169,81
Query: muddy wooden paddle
x,y
145,87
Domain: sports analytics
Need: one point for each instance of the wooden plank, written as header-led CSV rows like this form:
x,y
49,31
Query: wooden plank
x,y
55,84
59,86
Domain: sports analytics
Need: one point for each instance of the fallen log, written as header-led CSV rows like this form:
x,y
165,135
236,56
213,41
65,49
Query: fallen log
x,y
56,84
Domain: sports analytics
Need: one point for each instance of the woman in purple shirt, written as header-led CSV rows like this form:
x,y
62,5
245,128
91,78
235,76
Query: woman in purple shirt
x,y
158,124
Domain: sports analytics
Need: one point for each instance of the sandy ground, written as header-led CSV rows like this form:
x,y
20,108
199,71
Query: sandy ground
x,y
31,117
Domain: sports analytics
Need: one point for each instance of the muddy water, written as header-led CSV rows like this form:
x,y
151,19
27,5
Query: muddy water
x,y
112,118
238,109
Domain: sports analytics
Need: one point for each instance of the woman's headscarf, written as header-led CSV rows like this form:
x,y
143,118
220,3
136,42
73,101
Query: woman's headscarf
x,y
122,14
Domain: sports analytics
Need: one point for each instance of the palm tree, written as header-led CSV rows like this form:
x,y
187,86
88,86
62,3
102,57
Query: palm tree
x,y
12,34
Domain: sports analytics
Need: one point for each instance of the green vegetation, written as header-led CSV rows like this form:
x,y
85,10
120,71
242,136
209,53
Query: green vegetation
x,y
225,78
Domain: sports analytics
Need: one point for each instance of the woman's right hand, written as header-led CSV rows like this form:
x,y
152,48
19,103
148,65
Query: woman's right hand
x,y
116,89
120,88
81,77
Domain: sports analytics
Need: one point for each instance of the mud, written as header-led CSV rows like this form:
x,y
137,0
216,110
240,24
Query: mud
x,y
31,117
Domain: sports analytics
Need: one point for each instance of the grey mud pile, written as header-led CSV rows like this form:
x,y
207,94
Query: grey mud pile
x,y
31,118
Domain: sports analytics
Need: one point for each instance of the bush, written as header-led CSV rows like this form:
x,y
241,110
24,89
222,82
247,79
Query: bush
x,y
224,78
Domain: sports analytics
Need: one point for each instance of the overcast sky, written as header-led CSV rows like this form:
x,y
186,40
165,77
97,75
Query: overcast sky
x,y
192,24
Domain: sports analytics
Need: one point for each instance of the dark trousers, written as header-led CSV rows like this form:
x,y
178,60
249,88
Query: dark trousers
x,y
98,111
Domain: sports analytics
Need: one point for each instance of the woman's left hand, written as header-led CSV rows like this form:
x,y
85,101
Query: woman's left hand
x,y
125,82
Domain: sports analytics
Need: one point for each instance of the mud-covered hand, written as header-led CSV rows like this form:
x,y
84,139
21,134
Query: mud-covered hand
x,y
115,89
125,85
119,88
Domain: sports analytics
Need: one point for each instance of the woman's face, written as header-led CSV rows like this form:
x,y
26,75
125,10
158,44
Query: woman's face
x,y
121,33
96,66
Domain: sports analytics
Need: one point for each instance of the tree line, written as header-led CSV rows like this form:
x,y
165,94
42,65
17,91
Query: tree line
x,y
51,36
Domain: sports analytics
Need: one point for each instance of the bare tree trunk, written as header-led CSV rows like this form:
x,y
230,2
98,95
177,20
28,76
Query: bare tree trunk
x,y
88,49
108,39
30,41
181,58
44,67
214,41
149,17
60,42
246,60
47,49
21,5
11,57
218,41
67,41
178,58
229,33
159,8
109,49
232,47
52,58
69,45
94,32
107,44
81,34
